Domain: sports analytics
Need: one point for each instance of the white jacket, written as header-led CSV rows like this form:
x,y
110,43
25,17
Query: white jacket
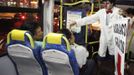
x,y
81,54
106,37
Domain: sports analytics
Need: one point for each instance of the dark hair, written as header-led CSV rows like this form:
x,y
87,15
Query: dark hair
x,y
111,1
30,26
130,11
66,32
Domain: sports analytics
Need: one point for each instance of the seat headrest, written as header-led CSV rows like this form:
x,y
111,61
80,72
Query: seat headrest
x,y
55,38
19,35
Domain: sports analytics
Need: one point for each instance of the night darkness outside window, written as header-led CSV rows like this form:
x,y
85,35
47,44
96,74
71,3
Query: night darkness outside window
x,y
20,3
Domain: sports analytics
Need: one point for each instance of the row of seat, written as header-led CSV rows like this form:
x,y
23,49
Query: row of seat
x,y
55,57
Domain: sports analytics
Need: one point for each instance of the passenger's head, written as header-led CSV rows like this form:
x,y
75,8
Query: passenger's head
x,y
69,35
34,28
108,4
130,12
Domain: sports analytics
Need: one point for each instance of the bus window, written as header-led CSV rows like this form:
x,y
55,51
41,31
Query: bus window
x,y
9,21
20,3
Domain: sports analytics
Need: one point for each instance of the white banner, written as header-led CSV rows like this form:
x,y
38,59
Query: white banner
x,y
120,33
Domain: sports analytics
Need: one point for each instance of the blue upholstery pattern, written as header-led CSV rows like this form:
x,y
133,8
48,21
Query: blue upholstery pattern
x,y
26,42
62,47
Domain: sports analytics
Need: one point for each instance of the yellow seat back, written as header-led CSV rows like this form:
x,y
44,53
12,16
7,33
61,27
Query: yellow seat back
x,y
55,38
19,35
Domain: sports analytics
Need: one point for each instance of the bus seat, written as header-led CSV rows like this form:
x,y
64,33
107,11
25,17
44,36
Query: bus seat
x,y
20,46
57,55
7,66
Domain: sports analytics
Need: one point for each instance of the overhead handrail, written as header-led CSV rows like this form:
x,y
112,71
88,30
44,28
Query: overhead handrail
x,y
68,4
75,3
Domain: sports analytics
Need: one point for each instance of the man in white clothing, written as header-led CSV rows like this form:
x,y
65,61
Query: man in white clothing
x,y
106,16
81,54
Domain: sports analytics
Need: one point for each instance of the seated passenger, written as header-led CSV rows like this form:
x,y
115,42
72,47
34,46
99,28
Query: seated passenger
x,y
35,30
80,52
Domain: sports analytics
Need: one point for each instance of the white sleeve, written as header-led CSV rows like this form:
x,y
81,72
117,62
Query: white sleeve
x,y
81,55
88,19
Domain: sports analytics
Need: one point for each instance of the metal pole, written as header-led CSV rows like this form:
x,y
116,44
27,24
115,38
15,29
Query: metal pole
x,y
61,11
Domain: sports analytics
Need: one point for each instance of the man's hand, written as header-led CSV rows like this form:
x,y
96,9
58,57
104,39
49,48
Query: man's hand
x,y
72,24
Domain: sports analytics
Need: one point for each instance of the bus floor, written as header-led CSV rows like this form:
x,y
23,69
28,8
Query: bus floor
x,y
106,67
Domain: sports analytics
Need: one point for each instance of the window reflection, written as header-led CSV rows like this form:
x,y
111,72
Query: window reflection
x,y
15,20
20,3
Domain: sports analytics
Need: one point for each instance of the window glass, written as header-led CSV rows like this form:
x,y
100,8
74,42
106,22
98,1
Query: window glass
x,y
9,21
20,3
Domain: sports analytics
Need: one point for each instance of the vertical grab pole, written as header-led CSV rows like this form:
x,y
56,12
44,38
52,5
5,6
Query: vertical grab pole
x,y
61,11
129,44
92,9
86,35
